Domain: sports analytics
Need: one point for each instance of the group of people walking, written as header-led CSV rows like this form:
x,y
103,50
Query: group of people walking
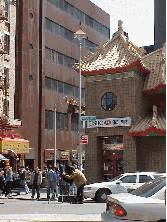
x,y
52,176
6,180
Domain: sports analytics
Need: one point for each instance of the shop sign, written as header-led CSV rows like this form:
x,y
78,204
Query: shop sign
x,y
118,146
49,154
109,122
64,155
74,155
20,147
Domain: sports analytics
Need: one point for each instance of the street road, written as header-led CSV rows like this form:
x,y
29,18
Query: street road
x,y
22,208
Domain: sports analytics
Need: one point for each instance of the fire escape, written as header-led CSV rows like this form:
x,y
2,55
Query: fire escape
x,y
4,77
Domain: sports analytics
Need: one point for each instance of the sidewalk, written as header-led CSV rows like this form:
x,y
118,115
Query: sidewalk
x,y
23,196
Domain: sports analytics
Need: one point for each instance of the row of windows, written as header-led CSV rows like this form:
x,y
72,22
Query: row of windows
x,y
81,16
59,58
61,121
64,33
6,43
63,87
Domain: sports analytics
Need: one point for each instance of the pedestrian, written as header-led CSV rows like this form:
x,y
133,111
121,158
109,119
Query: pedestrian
x,y
57,181
73,187
35,181
23,180
79,180
9,182
51,182
2,181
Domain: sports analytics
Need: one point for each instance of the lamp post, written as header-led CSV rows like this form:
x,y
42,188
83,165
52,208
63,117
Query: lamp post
x,y
55,140
80,34
55,148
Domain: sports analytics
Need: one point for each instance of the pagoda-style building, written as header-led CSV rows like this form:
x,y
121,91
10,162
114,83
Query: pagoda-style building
x,y
126,91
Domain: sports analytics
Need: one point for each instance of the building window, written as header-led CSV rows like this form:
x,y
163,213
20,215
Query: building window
x,y
49,120
30,78
63,87
81,16
68,35
48,83
6,9
31,15
30,46
6,43
61,121
58,58
109,101
74,122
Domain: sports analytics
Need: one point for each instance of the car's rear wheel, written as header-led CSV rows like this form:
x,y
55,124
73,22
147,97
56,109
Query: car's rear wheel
x,y
101,195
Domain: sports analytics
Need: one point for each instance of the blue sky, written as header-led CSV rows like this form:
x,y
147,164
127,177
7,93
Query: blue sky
x,y
137,17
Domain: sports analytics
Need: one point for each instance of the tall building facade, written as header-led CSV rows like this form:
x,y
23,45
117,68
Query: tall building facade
x,y
159,23
46,96
10,127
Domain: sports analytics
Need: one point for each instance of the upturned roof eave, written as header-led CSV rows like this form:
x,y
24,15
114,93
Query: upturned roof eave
x,y
156,89
120,69
148,131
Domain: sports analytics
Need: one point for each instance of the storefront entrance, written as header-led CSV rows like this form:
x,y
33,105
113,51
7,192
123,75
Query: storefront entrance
x,y
112,159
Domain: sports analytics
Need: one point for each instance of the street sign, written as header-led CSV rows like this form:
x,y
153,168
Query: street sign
x,y
88,118
84,139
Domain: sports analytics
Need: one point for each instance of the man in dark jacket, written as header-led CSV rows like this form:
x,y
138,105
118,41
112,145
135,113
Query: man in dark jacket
x,y
35,181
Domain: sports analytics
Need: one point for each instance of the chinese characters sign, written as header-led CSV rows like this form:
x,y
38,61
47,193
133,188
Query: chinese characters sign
x,y
109,122
19,146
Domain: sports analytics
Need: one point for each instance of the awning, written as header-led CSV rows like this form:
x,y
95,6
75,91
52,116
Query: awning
x,y
20,146
151,125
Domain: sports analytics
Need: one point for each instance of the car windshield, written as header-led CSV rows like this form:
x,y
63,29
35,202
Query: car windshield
x,y
116,178
150,188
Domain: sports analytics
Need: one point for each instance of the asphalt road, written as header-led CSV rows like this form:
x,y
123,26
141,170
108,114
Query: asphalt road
x,y
23,208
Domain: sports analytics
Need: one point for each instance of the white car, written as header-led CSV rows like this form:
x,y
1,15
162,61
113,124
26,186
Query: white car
x,y
131,181
147,203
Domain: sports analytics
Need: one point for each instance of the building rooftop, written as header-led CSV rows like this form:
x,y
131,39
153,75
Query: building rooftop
x,y
156,63
117,53
152,124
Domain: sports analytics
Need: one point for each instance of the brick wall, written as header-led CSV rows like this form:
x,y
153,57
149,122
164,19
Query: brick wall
x,y
127,86
151,153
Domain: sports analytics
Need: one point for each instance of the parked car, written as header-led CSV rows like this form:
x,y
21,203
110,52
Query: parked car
x,y
131,181
147,203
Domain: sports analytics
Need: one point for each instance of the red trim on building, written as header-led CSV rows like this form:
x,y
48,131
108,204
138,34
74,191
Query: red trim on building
x,y
156,89
137,63
151,129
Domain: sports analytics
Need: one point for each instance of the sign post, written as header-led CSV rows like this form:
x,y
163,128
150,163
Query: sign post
x,y
84,139
88,118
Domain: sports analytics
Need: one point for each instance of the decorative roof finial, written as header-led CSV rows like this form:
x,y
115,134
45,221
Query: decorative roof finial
x,y
120,28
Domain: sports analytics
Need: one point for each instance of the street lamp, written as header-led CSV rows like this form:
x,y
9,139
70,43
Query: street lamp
x,y
80,34
55,140
55,149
